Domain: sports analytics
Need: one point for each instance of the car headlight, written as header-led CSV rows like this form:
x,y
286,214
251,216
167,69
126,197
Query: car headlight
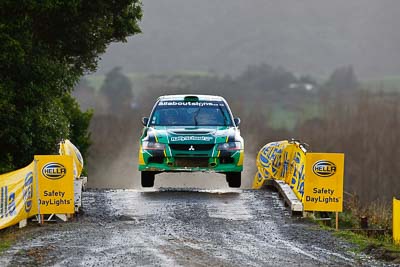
x,y
230,146
152,146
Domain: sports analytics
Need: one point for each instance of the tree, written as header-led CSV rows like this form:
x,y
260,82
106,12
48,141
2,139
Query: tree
x,y
343,79
117,89
264,77
45,46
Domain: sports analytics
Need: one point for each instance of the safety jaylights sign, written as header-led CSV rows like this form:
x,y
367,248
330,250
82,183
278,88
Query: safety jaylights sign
x,y
323,185
56,184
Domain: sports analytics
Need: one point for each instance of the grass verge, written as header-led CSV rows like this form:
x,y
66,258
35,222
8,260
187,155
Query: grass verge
x,y
4,245
9,236
382,248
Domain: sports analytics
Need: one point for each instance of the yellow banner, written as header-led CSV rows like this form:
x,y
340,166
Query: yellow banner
x,y
56,184
68,149
295,160
269,163
396,221
18,200
323,187
281,160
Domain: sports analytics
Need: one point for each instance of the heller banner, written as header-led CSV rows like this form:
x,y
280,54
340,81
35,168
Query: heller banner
x,y
396,221
283,160
48,180
323,187
68,149
17,196
56,184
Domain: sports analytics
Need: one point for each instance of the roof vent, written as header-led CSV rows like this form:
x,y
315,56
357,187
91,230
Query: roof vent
x,y
191,98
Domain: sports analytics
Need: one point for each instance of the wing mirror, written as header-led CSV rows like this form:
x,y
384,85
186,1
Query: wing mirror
x,y
237,121
145,120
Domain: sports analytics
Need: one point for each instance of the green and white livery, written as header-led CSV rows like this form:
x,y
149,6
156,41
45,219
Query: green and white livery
x,y
190,133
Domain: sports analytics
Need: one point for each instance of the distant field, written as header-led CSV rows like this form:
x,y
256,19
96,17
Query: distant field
x,y
386,84
95,81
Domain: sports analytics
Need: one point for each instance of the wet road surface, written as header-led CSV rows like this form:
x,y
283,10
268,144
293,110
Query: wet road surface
x,y
181,228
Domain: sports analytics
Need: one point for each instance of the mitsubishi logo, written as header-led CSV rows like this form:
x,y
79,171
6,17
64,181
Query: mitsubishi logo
x,y
191,148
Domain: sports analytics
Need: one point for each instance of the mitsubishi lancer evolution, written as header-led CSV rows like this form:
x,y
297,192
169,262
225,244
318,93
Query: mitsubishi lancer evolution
x,y
191,133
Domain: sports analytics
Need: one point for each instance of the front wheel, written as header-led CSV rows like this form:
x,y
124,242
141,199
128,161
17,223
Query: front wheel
x,y
148,178
234,179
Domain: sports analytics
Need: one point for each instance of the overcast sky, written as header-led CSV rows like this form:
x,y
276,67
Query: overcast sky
x,y
304,36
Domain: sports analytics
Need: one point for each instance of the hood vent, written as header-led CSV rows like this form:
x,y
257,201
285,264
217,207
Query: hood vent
x,y
190,132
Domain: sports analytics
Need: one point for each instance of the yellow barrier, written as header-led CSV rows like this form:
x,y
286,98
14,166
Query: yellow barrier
x,y
317,184
68,149
43,187
18,199
283,160
396,221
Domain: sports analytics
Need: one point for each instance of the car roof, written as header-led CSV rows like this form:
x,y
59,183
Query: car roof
x,y
182,97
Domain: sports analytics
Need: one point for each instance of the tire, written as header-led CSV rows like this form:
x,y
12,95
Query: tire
x,y
148,179
234,179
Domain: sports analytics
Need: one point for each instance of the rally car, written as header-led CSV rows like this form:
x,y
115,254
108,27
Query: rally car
x,y
190,133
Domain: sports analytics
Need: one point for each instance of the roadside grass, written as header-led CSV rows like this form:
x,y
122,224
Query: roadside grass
x,y
381,248
7,238
4,245
364,242
376,240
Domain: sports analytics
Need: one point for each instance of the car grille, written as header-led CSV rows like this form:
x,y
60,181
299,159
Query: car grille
x,y
197,147
156,160
226,160
191,162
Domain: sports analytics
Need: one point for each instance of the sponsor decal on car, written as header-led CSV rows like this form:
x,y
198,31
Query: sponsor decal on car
x,y
191,138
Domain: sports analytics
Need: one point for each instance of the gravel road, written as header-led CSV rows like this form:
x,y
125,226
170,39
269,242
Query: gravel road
x,y
189,227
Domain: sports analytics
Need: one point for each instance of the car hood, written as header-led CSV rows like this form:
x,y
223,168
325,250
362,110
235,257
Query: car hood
x,y
192,135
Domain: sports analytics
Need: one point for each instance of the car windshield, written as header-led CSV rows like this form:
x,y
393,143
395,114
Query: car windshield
x,y
180,113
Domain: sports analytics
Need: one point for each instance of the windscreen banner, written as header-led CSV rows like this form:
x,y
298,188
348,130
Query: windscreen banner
x,y
43,187
323,189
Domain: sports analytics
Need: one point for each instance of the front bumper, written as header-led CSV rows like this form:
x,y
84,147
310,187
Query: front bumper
x,y
161,161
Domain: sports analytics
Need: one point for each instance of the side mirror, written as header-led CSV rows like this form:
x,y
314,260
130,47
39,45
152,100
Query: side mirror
x,y
237,121
145,120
